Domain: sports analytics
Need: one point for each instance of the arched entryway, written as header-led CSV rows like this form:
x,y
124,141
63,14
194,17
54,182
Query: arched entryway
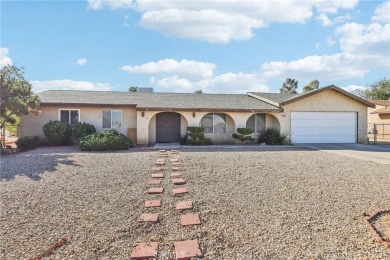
x,y
168,127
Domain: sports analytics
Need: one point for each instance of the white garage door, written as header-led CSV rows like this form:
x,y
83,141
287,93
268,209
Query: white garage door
x,y
323,127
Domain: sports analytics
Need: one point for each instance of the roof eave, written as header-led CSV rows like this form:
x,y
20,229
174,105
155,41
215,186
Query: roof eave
x,y
174,109
331,87
85,104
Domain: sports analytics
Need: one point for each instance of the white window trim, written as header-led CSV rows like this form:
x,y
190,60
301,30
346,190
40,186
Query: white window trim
x,y
111,118
68,109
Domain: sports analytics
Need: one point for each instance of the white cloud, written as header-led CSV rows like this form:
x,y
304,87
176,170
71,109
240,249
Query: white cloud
x,y
184,67
81,62
4,58
351,88
382,13
225,83
67,84
367,45
324,20
330,67
220,21
330,41
317,45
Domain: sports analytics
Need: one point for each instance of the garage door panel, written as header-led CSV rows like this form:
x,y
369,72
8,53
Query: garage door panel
x,y
323,127
323,115
328,130
321,123
324,139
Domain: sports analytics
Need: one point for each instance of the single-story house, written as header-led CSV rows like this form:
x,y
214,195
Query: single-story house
x,y
327,115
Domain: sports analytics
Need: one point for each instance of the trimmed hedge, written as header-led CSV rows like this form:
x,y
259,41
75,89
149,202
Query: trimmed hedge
x,y
272,136
58,133
104,141
80,130
196,136
244,135
27,142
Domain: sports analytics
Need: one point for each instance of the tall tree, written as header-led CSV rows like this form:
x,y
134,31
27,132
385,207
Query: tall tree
x,y
17,97
199,91
314,84
377,90
289,86
133,89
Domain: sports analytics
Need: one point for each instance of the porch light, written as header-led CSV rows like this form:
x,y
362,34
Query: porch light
x,y
142,113
193,114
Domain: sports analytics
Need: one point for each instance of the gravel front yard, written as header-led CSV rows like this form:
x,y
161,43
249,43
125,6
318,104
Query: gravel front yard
x,y
253,204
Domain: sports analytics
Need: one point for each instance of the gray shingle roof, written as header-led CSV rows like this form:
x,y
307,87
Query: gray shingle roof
x,y
229,102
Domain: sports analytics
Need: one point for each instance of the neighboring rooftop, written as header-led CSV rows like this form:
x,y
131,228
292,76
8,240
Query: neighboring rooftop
x,y
157,101
381,102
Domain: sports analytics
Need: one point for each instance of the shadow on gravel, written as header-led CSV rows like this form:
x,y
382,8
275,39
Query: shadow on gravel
x,y
33,163
244,149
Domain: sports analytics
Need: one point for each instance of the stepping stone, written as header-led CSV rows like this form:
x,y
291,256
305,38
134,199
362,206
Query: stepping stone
x,y
174,160
152,203
162,151
174,151
179,191
160,160
163,155
157,175
178,181
176,164
190,219
187,249
155,190
157,169
154,182
160,163
148,217
176,174
176,168
184,205
144,250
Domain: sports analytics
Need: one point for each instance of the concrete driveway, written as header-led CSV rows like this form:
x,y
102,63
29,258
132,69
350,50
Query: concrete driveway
x,y
379,154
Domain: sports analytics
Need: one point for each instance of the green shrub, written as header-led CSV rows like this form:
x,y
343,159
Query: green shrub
x,y
82,129
104,141
272,136
184,140
195,129
27,142
244,134
196,136
58,133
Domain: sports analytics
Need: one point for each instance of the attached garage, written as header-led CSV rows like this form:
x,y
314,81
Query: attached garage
x,y
323,127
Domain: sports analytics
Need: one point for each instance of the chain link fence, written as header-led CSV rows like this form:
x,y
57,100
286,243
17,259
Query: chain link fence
x,y
379,133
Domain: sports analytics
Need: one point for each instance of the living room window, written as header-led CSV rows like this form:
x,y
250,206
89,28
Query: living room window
x,y
70,116
256,122
112,118
214,123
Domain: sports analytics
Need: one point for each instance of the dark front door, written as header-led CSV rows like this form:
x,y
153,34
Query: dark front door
x,y
167,127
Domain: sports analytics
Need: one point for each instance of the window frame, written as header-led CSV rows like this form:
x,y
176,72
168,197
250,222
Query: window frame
x,y
69,109
111,110
213,122
255,131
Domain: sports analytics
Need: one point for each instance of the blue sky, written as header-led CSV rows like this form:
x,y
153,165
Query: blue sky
x,y
182,46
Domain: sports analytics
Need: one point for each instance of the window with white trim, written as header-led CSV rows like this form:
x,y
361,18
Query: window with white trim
x,y
112,118
214,123
256,122
70,116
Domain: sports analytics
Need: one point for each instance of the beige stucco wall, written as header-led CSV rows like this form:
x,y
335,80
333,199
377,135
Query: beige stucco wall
x,y
32,125
327,101
146,125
